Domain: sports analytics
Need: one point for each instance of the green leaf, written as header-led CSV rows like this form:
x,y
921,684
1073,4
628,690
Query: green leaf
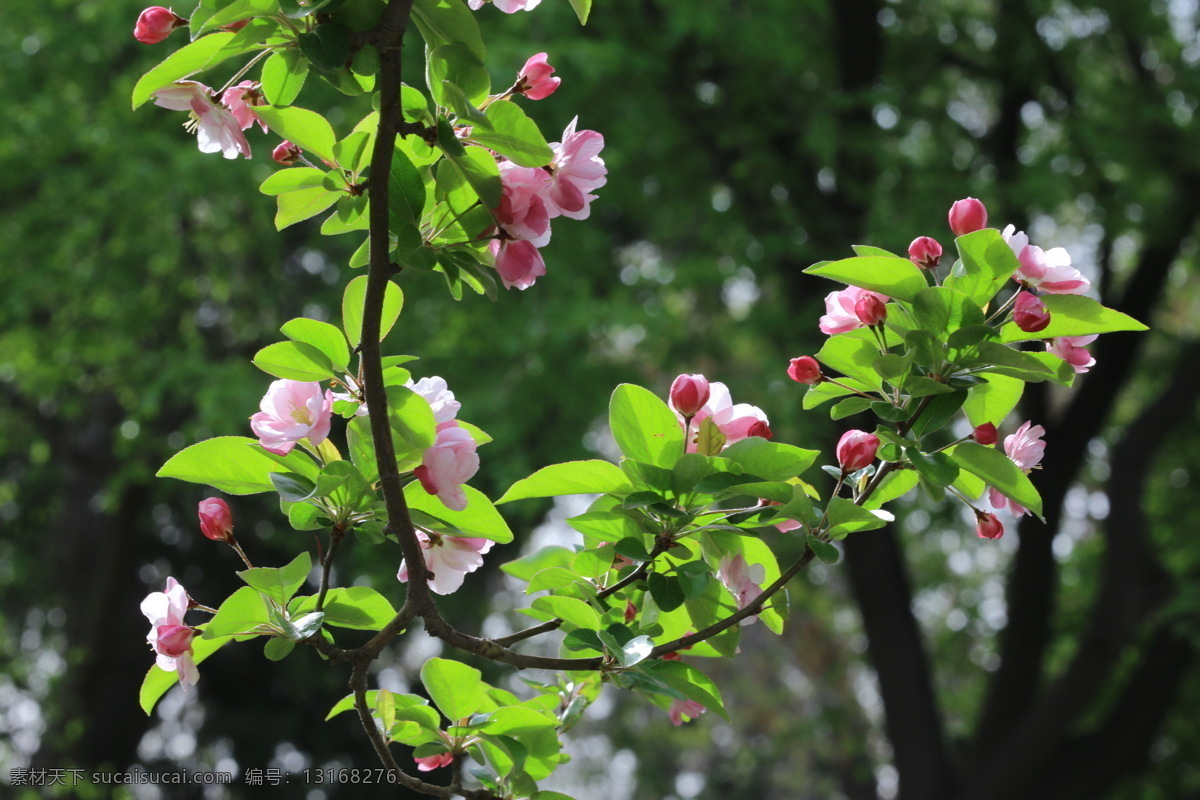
x,y
302,127
478,168
986,265
354,154
514,135
527,566
293,488
644,427
408,195
158,680
823,550
582,9
936,468
233,464
353,303
771,461
479,519
825,391
999,471
294,360
462,68
940,410
199,55
629,653
321,335
455,688
895,277
572,477
897,484
993,400
575,613
327,46
444,22
666,590
411,420
283,77
605,526
1073,315
241,613
942,311
293,179
279,584
304,204
845,518
690,682
277,649
355,607
853,357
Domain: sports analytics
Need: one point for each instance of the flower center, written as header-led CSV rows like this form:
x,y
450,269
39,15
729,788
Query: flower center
x,y
302,415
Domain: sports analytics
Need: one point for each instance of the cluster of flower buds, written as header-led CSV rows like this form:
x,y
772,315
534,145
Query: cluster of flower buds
x,y
694,400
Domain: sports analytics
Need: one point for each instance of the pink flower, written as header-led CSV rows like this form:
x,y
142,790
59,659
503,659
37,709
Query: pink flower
x,y
925,252
291,411
534,80
684,711
1050,271
744,581
217,130
155,24
241,100
507,6
286,153
518,263
576,170
449,463
449,558
987,526
1016,239
985,434
216,520
1025,448
430,763
736,422
169,636
856,449
522,212
841,309
437,393
1030,313
967,216
1072,350
805,369
688,394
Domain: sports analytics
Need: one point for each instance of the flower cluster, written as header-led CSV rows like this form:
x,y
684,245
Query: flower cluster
x,y
218,123
169,636
712,401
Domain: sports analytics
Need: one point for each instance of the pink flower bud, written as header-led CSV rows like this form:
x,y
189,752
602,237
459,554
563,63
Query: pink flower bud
x,y
760,429
630,611
216,520
805,369
534,80
985,434
174,641
155,24
286,153
1030,313
856,449
689,393
430,763
967,216
870,310
988,526
925,252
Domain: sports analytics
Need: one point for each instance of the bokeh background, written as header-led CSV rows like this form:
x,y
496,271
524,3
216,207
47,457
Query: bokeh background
x,y
744,141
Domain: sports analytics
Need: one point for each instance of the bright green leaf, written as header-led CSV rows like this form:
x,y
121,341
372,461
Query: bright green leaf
x,y
479,519
999,471
644,427
514,135
231,464
302,127
321,335
895,277
455,688
573,477
1073,315
294,360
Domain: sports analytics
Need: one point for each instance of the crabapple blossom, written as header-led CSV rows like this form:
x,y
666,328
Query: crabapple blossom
x,y
841,309
736,422
576,170
988,526
689,393
1030,313
856,449
448,464
169,636
216,520
430,763
985,434
967,216
870,310
291,411
522,212
1050,271
217,130
534,79
437,393
241,99
1025,448
684,711
1016,239
286,153
805,369
155,24
744,581
518,263
449,559
925,252
1072,349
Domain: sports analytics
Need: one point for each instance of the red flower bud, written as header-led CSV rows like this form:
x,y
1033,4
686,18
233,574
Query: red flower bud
x,y
1030,313
155,24
967,216
534,80
630,611
856,449
689,393
988,526
760,429
870,310
925,252
286,153
805,369
216,520
985,434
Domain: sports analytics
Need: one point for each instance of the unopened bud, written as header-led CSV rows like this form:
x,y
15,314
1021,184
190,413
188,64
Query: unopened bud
x,y
987,525
155,24
1030,313
870,310
805,369
985,434
856,449
925,252
630,611
760,429
689,393
967,216
216,520
286,153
